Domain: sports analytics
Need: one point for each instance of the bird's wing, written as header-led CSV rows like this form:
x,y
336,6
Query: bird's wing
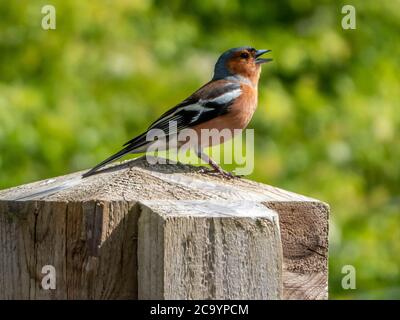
x,y
212,100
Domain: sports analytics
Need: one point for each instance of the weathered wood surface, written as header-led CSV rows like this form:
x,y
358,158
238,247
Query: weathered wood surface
x,y
89,231
209,249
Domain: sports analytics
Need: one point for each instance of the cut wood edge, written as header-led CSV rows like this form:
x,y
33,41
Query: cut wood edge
x,y
200,251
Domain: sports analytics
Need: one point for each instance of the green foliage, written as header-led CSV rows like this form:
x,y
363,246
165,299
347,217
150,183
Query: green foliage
x,y
327,123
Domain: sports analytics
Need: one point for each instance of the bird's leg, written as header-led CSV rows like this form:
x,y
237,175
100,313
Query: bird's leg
x,y
213,164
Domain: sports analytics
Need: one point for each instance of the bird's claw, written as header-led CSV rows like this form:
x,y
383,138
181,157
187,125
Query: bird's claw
x,y
226,174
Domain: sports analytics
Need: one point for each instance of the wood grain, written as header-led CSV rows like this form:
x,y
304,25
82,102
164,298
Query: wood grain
x,y
88,229
202,249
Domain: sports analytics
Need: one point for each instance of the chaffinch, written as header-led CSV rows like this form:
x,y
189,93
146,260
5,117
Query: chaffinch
x,y
228,101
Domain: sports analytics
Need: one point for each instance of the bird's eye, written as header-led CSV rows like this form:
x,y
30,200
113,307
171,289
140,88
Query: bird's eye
x,y
244,55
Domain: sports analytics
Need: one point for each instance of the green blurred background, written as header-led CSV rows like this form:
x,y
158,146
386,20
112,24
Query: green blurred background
x,y
327,124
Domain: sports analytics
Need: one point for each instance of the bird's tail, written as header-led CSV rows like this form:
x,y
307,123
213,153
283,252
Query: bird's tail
x,y
114,157
136,145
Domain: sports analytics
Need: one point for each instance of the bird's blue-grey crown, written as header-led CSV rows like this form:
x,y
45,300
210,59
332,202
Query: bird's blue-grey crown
x,y
220,69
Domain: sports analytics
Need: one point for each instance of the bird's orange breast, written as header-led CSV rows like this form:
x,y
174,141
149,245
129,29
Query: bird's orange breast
x,y
238,117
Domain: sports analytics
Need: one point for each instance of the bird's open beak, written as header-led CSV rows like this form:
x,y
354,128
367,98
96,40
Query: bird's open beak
x,y
262,60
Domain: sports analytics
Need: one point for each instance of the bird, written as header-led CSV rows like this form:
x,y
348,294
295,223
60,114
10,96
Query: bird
x,y
227,101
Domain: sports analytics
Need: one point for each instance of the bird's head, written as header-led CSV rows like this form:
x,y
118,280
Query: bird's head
x,y
242,63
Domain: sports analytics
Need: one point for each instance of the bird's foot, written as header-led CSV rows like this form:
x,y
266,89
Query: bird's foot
x,y
219,171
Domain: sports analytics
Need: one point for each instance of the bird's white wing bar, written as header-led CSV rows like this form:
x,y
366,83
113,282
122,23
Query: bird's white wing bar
x,y
227,97
174,115
196,109
193,112
199,108
184,116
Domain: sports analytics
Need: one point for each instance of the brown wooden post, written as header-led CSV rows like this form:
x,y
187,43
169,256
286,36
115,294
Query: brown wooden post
x,y
161,231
